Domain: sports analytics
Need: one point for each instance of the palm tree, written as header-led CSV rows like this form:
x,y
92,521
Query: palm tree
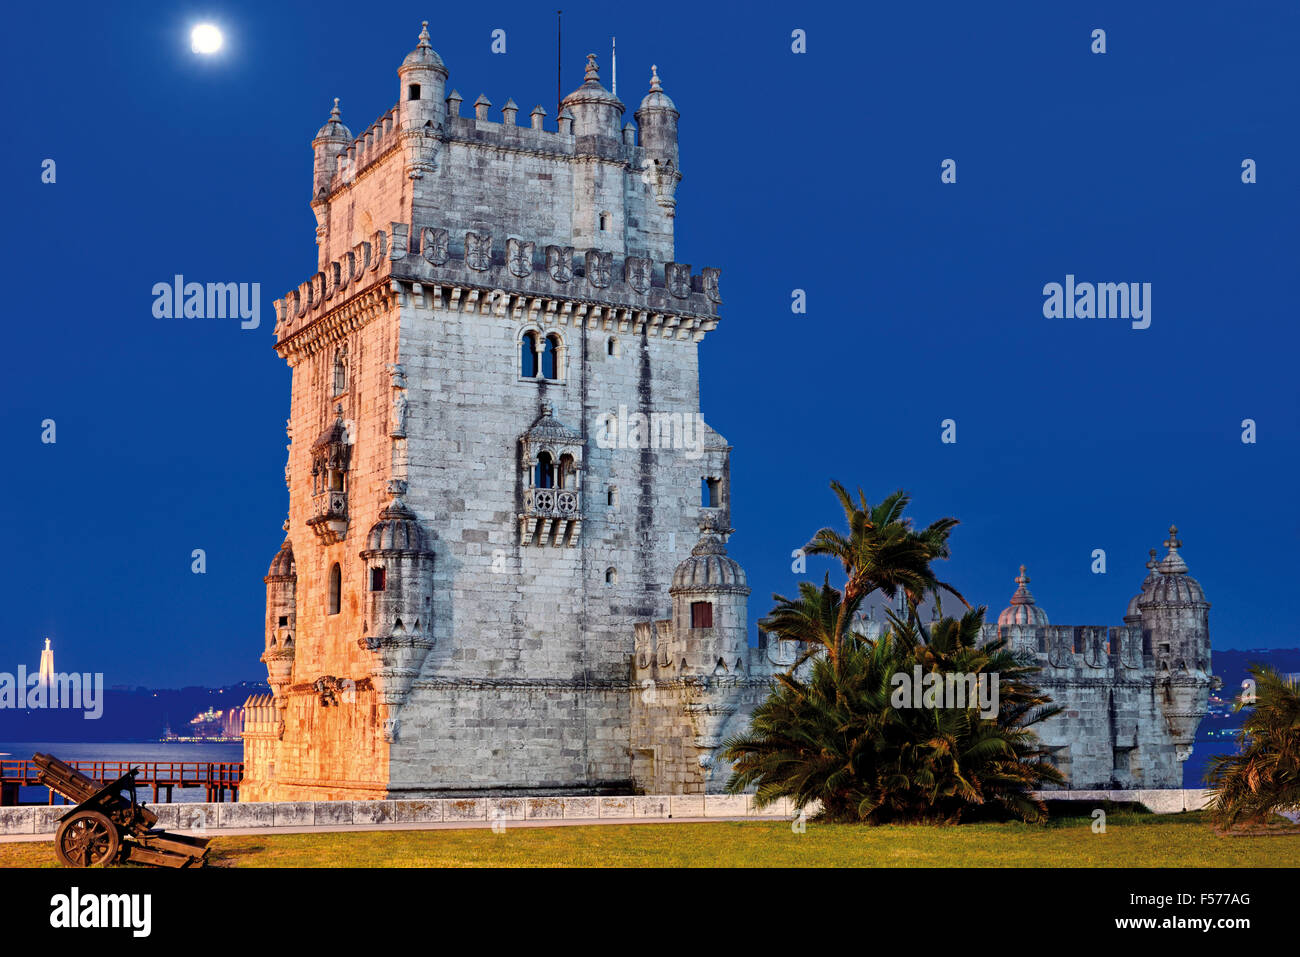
x,y
1264,777
837,738
818,619
883,552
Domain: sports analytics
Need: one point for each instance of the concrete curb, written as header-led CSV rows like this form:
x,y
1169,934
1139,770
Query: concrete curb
x,y
325,815
467,812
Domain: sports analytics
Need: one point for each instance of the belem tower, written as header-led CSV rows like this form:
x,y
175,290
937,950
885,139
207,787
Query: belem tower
x,y
505,565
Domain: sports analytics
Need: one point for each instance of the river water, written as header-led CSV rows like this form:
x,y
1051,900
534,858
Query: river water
x,y
131,751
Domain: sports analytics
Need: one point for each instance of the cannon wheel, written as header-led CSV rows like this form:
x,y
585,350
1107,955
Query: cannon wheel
x,y
86,839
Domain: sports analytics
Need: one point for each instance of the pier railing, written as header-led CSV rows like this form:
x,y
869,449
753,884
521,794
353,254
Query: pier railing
x,y
215,777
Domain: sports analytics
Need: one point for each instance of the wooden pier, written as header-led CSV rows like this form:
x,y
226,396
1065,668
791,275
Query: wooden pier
x,y
217,778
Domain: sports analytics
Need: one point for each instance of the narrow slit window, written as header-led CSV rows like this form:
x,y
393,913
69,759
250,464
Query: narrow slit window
x,y
336,589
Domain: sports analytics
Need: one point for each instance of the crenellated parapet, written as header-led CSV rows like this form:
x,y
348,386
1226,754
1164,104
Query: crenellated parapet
x,y
515,264
1090,652
474,270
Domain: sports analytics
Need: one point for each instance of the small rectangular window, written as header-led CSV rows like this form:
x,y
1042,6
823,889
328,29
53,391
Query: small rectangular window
x,y
414,92
711,492
701,614
377,579
284,621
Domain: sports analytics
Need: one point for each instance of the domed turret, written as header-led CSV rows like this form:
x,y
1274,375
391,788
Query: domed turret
x,y
1173,584
657,119
282,565
399,604
1176,623
423,82
710,614
596,111
281,618
1022,610
1175,611
331,139
398,532
709,566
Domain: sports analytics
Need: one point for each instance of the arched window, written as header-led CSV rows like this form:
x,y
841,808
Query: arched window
x,y
340,371
550,357
611,347
565,477
611,576
604,221
528,355
544,472
336,589
611,496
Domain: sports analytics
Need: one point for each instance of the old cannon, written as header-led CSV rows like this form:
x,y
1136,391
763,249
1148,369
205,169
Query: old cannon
x,y
109,826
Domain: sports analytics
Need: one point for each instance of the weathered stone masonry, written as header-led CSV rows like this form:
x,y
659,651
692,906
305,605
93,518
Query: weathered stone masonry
x,y
476,595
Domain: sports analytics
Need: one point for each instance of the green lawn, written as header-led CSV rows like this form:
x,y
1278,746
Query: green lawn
x,y
1142,840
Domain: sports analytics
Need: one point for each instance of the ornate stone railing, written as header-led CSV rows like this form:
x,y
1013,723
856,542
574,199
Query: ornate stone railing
x,y
552,503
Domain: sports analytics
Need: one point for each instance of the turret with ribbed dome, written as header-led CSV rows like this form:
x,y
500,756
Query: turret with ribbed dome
x,y
1022,610
596,111
657,120
1176,623
710,608
331,139
281,619
399,603
709,566
423,80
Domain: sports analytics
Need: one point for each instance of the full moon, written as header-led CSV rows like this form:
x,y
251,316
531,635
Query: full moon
x,y
205,38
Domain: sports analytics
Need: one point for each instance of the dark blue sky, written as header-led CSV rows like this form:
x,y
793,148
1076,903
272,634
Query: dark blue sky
x,y
817,171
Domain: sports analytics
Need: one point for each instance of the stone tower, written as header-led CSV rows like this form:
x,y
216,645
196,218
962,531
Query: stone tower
x,y
496,458
1131,697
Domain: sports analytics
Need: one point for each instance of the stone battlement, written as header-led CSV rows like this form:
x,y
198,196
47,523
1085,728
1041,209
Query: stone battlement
x,y
1100,648
518,277
480,132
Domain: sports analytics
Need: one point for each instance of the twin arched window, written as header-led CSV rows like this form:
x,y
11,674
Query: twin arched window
x,y
548,474
538,354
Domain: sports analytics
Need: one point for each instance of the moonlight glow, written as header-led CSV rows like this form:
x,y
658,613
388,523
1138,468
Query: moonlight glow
x,y
205,38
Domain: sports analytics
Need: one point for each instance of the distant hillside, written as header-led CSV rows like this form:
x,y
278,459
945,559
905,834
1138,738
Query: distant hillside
x,y
138,714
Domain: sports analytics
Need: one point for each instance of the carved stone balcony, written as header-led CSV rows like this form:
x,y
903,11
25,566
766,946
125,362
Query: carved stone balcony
x,y
329,519
551,516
